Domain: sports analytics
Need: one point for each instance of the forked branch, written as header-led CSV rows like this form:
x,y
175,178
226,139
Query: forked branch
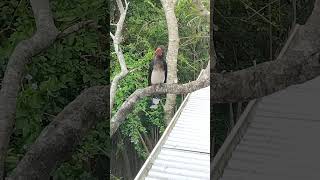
x,y
117,38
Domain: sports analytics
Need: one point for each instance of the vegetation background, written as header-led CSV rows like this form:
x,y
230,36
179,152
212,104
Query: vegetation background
x,y
145,29
249,31
56,77
80,60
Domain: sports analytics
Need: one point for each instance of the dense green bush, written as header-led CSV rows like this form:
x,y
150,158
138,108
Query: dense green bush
x,y
145,29
56,76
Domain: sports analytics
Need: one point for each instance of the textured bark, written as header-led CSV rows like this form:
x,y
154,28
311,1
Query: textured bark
x,y
57,141
45,35
126,162
148,141
172,54
128,105
299,63
144,144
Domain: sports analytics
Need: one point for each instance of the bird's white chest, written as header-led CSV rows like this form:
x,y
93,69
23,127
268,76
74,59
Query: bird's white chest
x,y
157,76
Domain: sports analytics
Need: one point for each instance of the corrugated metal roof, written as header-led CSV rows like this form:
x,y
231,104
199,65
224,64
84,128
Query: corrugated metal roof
x,y
183,152
281,140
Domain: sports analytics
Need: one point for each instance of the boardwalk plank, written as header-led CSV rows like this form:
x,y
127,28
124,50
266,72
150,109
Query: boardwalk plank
x,y
281,141
185,153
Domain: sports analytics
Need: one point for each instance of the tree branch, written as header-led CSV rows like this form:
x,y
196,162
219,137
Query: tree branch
x,y
117,38
128,105
57,141
44,37
299,63
266,78
77,27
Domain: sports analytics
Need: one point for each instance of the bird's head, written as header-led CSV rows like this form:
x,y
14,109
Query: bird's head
x,y
159,51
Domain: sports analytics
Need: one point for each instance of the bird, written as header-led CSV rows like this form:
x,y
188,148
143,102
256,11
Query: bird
x,y
157,72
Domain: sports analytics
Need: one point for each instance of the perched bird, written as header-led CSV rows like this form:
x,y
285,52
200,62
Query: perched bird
x,y
157,72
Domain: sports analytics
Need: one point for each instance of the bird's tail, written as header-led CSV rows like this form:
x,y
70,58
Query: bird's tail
x,y
154,103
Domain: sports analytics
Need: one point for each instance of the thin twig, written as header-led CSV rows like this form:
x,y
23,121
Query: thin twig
x,y
76,27
255,11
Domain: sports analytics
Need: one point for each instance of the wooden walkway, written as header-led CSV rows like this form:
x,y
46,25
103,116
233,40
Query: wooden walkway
x,y
183,152
276,138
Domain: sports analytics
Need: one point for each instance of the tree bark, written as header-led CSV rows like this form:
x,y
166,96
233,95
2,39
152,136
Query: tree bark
x,y
57,141
299,63
45,36
148,141
172,55
127,163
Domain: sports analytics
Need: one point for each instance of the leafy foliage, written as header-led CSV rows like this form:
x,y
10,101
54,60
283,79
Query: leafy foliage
x,y
56,77
145,29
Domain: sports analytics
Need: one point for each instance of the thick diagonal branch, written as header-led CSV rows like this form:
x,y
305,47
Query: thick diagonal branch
x,y
129,104
44,37
266,78
117,38
57,141
299,63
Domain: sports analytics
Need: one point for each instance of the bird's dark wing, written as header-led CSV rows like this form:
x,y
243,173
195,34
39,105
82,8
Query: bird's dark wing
x,y
150,72
165,71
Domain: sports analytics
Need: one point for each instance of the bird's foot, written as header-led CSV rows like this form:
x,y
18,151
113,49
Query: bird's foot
x,y
154,106
156,86
155,101
161,84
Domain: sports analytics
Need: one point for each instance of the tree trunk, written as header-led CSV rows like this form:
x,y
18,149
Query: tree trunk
x,y
127,163
45,35
172,55
148,141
